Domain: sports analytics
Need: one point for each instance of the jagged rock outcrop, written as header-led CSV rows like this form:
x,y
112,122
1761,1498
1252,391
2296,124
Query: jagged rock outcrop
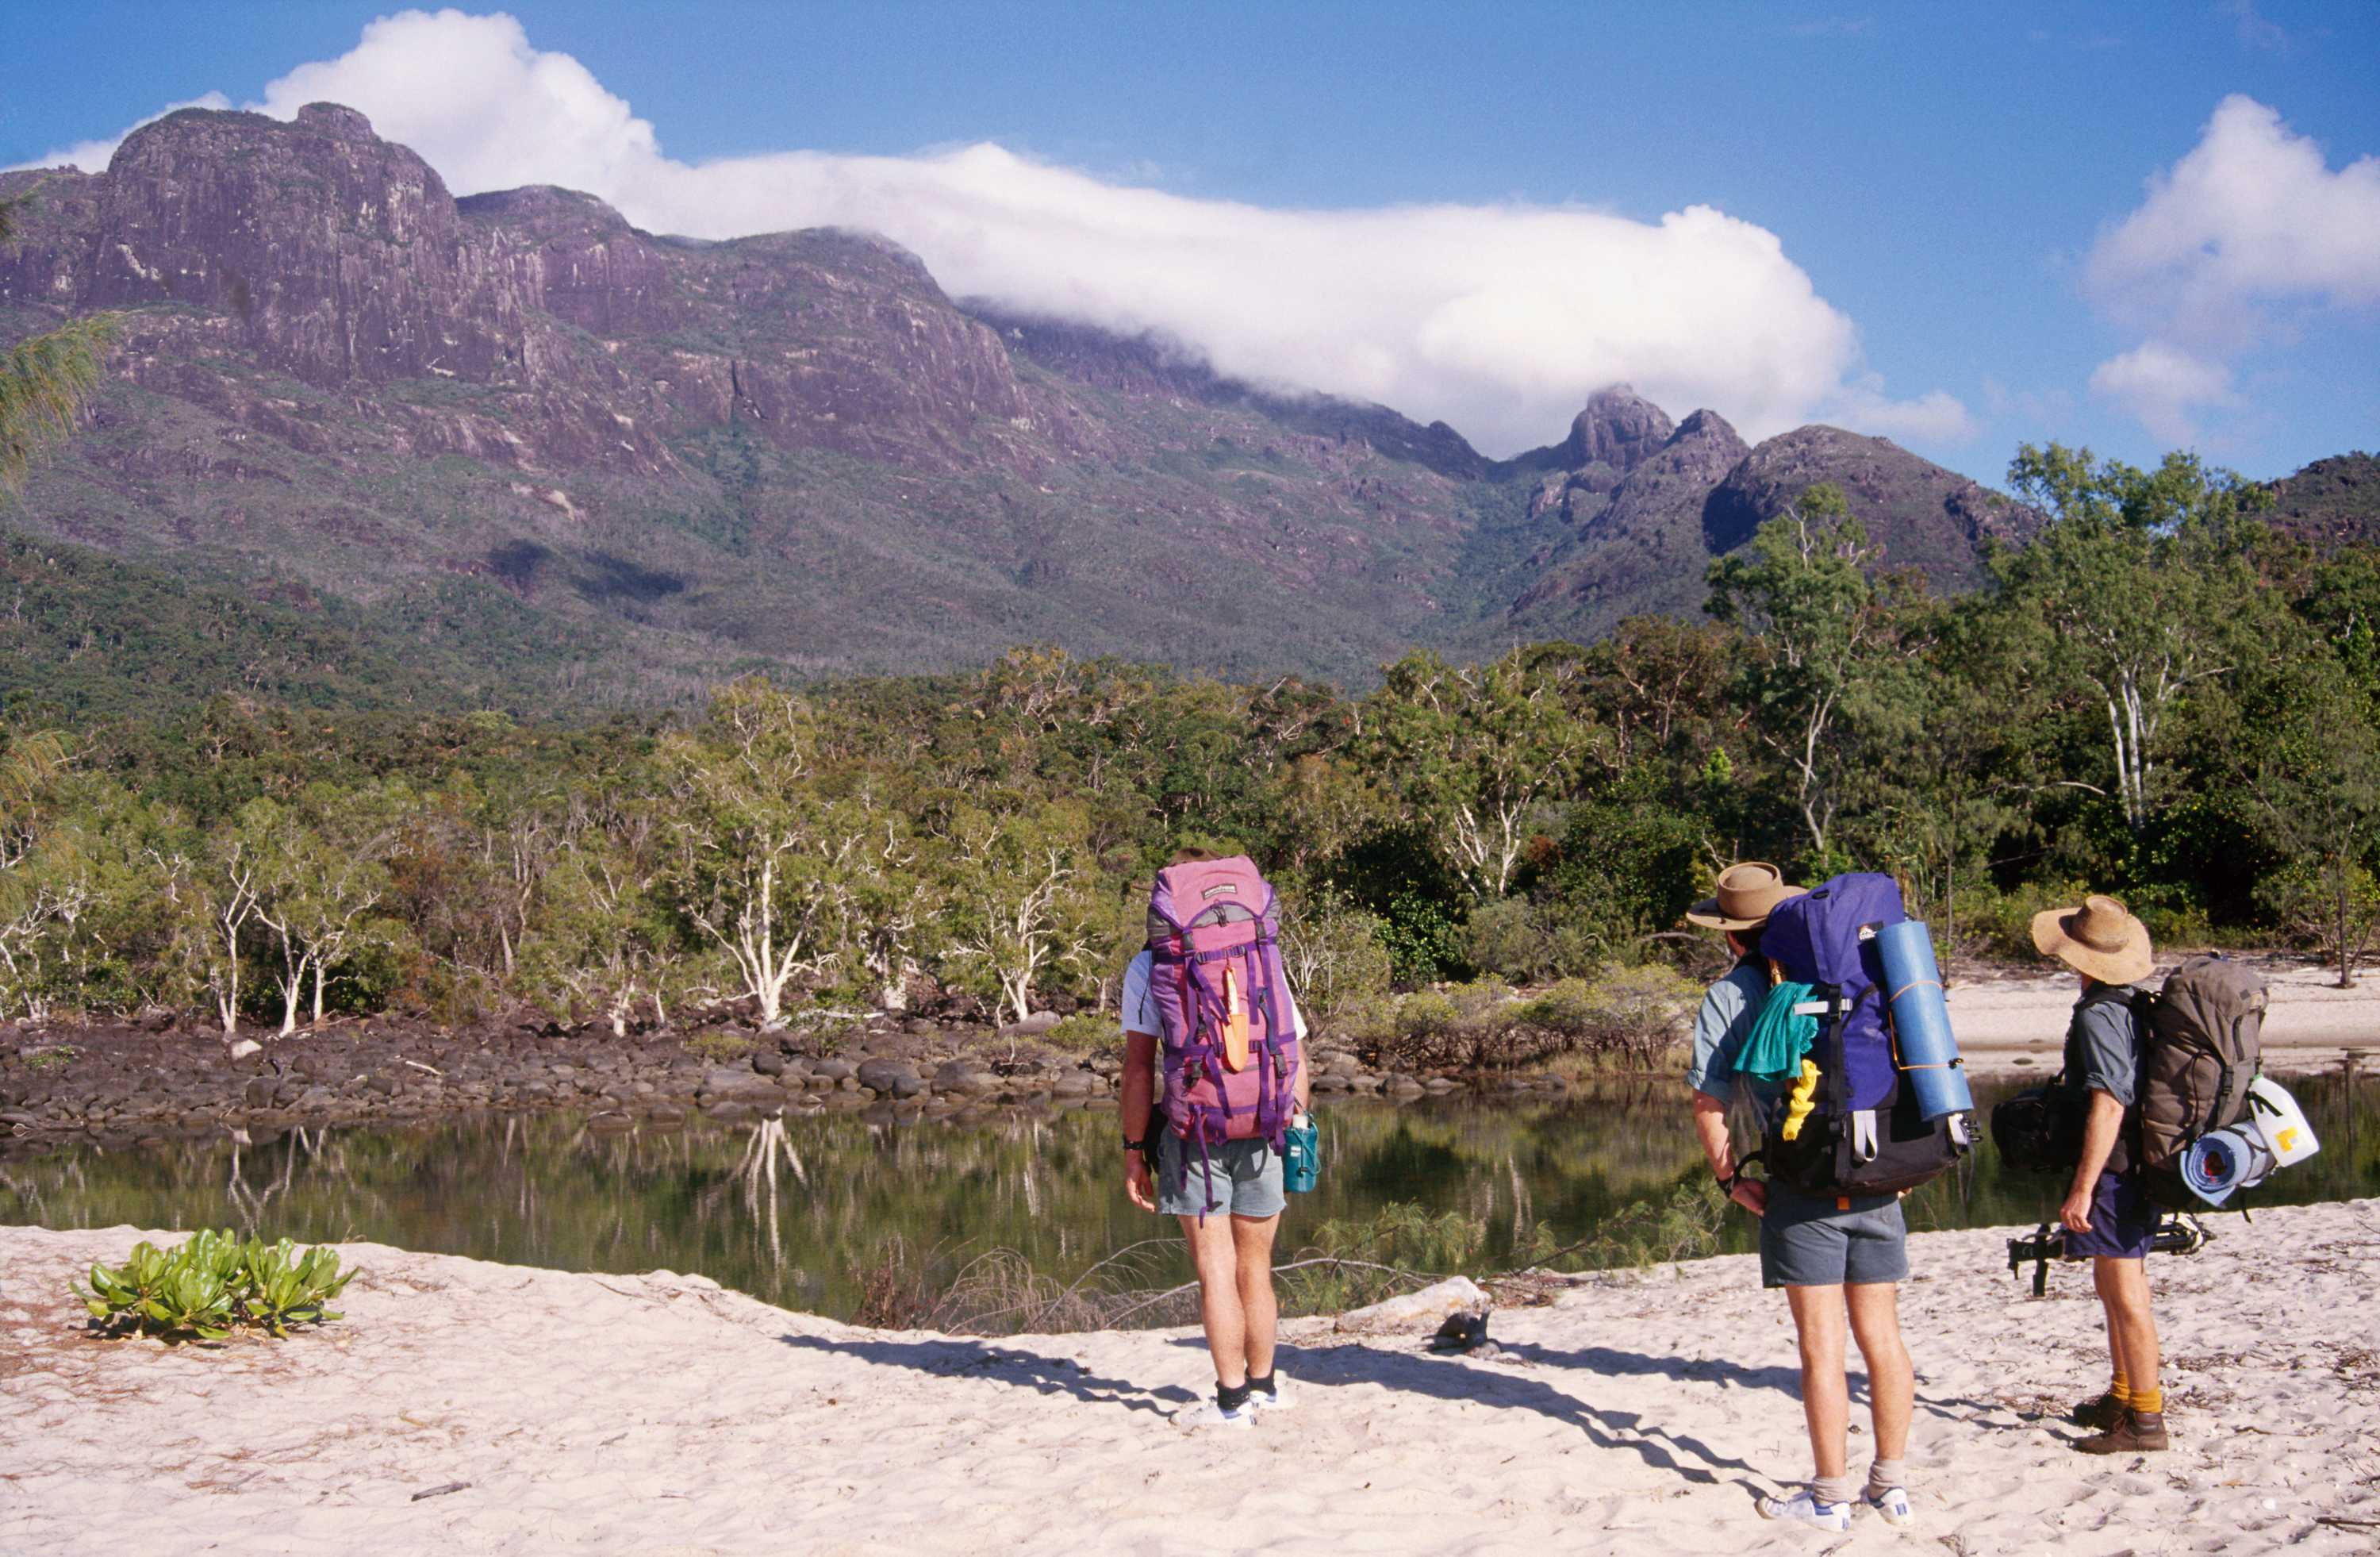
x,y
1619,428
1618,431
1642,551
1917,514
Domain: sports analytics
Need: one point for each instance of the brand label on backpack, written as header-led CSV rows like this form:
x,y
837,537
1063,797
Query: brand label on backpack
x,y
1221,889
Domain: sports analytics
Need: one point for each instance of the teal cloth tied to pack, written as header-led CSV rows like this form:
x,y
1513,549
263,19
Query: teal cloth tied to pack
x,y
1773,1050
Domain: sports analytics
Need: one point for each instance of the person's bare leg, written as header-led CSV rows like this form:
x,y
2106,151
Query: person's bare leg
x,y
1892,1381
2124,1288
1219,1308
1259,1314
1826,1397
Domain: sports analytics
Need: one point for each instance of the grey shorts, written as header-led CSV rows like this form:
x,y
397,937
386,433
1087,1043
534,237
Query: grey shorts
x,y
1804,1241
1242,1176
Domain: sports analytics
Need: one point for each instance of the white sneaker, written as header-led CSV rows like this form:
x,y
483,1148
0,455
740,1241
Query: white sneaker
x,y
1208,1412
1805,1507
1280,1400
1893,1503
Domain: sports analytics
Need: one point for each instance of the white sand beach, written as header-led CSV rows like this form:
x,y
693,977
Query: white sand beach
x,y
549,1412
2010,1023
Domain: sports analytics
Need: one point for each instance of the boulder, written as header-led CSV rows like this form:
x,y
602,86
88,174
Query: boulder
x,y
768,1061
1032,1026
959,1078
1075,1084
834,1070
890,1078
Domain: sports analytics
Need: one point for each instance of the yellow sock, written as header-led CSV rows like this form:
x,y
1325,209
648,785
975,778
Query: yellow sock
x,y
2120,1390
2148,1403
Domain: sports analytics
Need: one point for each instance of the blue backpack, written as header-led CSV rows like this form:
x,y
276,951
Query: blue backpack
x,y
1864,1133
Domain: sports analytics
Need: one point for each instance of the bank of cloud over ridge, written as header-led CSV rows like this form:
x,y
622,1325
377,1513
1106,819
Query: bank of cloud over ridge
x,y
1496,319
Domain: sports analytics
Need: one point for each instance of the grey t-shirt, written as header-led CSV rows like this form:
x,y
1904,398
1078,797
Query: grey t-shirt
x,y
2111,1045
1720,1026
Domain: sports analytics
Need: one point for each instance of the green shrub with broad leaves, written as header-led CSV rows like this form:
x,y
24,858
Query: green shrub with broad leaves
x,y
213,1284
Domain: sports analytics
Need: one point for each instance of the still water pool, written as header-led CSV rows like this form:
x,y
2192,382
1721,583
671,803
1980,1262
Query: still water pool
x,y
798,1213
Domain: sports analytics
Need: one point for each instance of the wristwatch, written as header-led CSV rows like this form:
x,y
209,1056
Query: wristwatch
x,y
1132,1145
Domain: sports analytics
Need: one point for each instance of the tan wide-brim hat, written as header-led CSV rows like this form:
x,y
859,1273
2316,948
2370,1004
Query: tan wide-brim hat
x,y
1747,894
2101,939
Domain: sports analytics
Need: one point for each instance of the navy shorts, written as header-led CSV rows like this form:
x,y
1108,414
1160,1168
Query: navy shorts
x,y
2123,1221
1805,1241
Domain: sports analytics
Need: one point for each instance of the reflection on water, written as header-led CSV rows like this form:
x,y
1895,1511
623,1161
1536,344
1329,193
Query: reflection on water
x,y
790,1209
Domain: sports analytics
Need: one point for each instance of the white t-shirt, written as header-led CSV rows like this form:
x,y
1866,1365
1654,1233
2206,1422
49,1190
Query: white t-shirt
x,y
1140,1012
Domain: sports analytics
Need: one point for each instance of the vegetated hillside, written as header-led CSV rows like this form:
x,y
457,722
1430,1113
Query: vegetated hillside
x,y
84,636
648,462
2333,502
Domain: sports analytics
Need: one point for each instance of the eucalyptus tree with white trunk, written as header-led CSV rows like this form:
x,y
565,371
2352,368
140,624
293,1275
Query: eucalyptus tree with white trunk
x,y
1020,903
763,862
2131,582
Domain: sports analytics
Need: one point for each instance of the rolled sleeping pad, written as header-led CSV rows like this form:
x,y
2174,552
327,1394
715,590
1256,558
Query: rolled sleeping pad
x,y
2222,1161
1921,1020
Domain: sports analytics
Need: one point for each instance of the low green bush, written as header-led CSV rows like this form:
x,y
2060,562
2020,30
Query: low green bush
x,y
1084,1032
1635,1015
720,1047
212,1283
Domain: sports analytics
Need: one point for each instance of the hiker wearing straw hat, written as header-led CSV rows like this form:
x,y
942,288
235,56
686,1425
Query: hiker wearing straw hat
x,y
2107,1213
1838,1261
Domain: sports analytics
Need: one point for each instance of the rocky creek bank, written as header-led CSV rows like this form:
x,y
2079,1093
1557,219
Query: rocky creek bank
x,y
134,1084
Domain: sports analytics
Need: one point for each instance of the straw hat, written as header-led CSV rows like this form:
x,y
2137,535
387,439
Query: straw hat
x,y
2101,939
1747,894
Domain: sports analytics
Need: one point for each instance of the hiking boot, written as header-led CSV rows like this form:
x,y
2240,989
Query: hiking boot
x,y
2139,1432
1804,1507
2100,1413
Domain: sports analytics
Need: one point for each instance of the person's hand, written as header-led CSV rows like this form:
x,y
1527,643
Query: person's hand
x,y
2076,1212
1137,1184
1751,1194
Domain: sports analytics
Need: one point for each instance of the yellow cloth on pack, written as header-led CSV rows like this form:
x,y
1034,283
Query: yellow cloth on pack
x,y
1804,1098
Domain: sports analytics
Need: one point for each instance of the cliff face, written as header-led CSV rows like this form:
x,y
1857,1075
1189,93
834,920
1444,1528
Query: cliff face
x,y
518,421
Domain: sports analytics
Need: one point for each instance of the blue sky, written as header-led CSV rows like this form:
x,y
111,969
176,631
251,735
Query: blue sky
x,y
1966,250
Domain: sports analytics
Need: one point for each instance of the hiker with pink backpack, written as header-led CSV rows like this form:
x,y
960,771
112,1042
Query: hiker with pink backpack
x,y
1215,1088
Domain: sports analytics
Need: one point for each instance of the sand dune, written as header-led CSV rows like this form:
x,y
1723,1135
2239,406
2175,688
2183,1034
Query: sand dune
x,y
1637,1414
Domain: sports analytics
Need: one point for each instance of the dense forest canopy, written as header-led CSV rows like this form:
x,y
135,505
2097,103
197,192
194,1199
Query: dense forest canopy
x,y
2161,696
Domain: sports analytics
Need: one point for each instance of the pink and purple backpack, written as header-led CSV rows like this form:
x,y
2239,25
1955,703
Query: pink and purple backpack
x,y
1230,1050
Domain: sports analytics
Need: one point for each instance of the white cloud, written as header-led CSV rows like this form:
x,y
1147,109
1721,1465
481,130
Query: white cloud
x,y
91,155
2163,386
1937,417
2234,250
2253,216
1499,318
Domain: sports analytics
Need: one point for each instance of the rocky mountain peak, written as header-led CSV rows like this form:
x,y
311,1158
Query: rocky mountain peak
x,y
1619,428
338,119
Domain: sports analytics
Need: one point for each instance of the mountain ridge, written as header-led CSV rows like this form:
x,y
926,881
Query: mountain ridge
x,y
794,450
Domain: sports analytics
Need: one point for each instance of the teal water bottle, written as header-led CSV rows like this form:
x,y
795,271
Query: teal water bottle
x,y
1300,1154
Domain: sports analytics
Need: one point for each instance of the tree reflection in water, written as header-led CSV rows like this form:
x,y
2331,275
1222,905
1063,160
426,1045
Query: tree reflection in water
x,y
793,1210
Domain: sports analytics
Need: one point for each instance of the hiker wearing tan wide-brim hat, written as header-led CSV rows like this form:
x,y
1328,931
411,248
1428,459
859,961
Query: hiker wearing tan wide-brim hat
x,y
2101,938
1746,895
2109,1215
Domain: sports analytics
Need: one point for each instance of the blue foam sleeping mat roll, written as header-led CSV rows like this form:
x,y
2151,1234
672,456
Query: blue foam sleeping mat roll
x,y
1921,1020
